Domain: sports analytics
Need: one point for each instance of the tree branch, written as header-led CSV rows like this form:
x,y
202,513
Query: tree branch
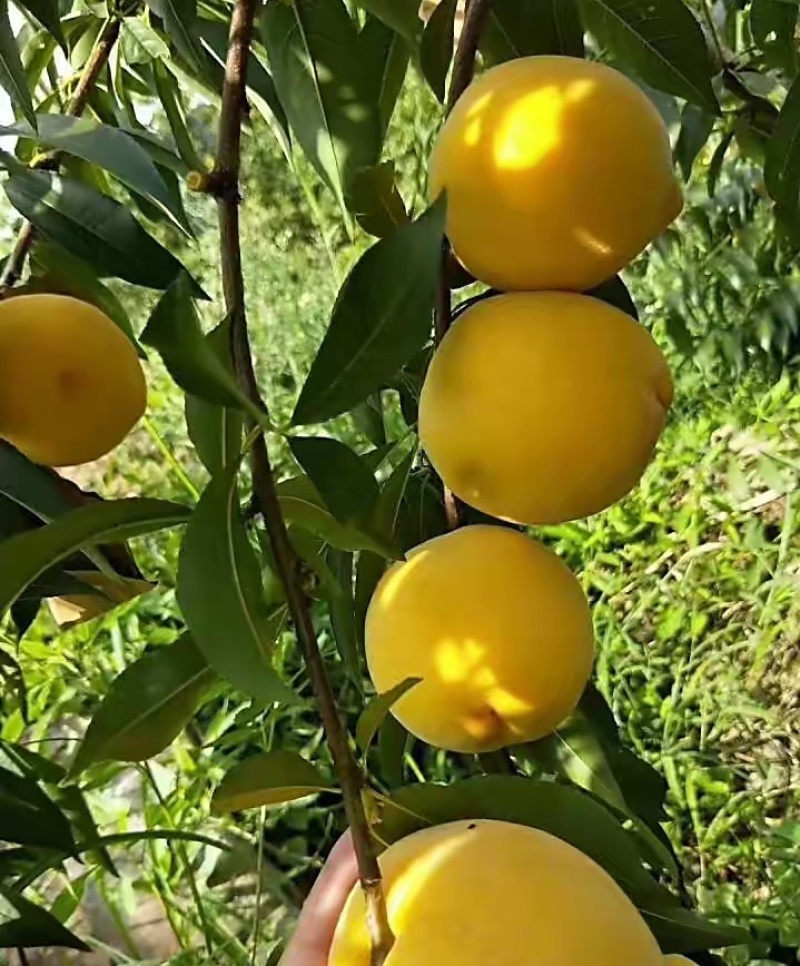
x,y
91,71
348,772
475,17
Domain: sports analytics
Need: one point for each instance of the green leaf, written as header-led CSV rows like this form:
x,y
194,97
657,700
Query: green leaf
x,y
342,613
524,28
57,270
375,202
436,46
146,706
109,147
215,430
387,57
34,927
382,316
222,597
348,488
180,23
401,15
370,568
718,159
773,23
574,751
29,817
93,227
302,504
373,715
173,330
782,165
615,292
48,15
72,802
271,778
12,76
662,42
26,556
696,128
169,94
141,44
679,930
324,86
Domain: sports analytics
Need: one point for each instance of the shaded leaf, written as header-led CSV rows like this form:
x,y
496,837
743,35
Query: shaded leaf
x,y
48,15
271,778
782,164
342,613
662,42
180,23
436,46
372,717
325,87
26,556
773,23
12,75
387,57
375,202
717,160
35,927
679,930
696,128
173,330
615,292
215,430
146,706
369,570
109,147
381,318
222,597
72,802
29,817
523,28
93,227
169,94
347,487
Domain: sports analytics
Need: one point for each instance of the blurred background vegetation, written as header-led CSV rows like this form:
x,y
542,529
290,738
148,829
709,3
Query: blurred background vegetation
x,y
693,578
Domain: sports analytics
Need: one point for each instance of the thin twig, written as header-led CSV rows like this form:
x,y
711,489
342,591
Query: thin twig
x,y
475,17
22,956
91,71
347,770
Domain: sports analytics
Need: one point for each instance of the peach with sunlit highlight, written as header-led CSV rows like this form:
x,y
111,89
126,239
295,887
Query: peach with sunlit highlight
x,y
558,172
474,893
542,407
496,627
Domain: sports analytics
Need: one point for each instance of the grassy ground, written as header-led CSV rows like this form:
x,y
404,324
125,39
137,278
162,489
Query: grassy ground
x,y
693,580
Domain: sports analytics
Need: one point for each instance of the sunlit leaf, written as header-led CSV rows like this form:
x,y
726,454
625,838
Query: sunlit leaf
x,y
325,87
25,556
109,147
381,318
271,778
373,715
146,706
12,76
221,595
401,15
93,227
180,24
660,41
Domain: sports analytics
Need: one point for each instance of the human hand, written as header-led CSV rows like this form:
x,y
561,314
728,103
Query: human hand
x,y
311,942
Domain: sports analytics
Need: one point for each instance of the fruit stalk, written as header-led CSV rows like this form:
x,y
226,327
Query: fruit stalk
x,y
226,179
463,70
91,71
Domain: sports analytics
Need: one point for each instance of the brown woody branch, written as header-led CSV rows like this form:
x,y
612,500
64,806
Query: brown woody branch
x,y
226,172
91,71
475,17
